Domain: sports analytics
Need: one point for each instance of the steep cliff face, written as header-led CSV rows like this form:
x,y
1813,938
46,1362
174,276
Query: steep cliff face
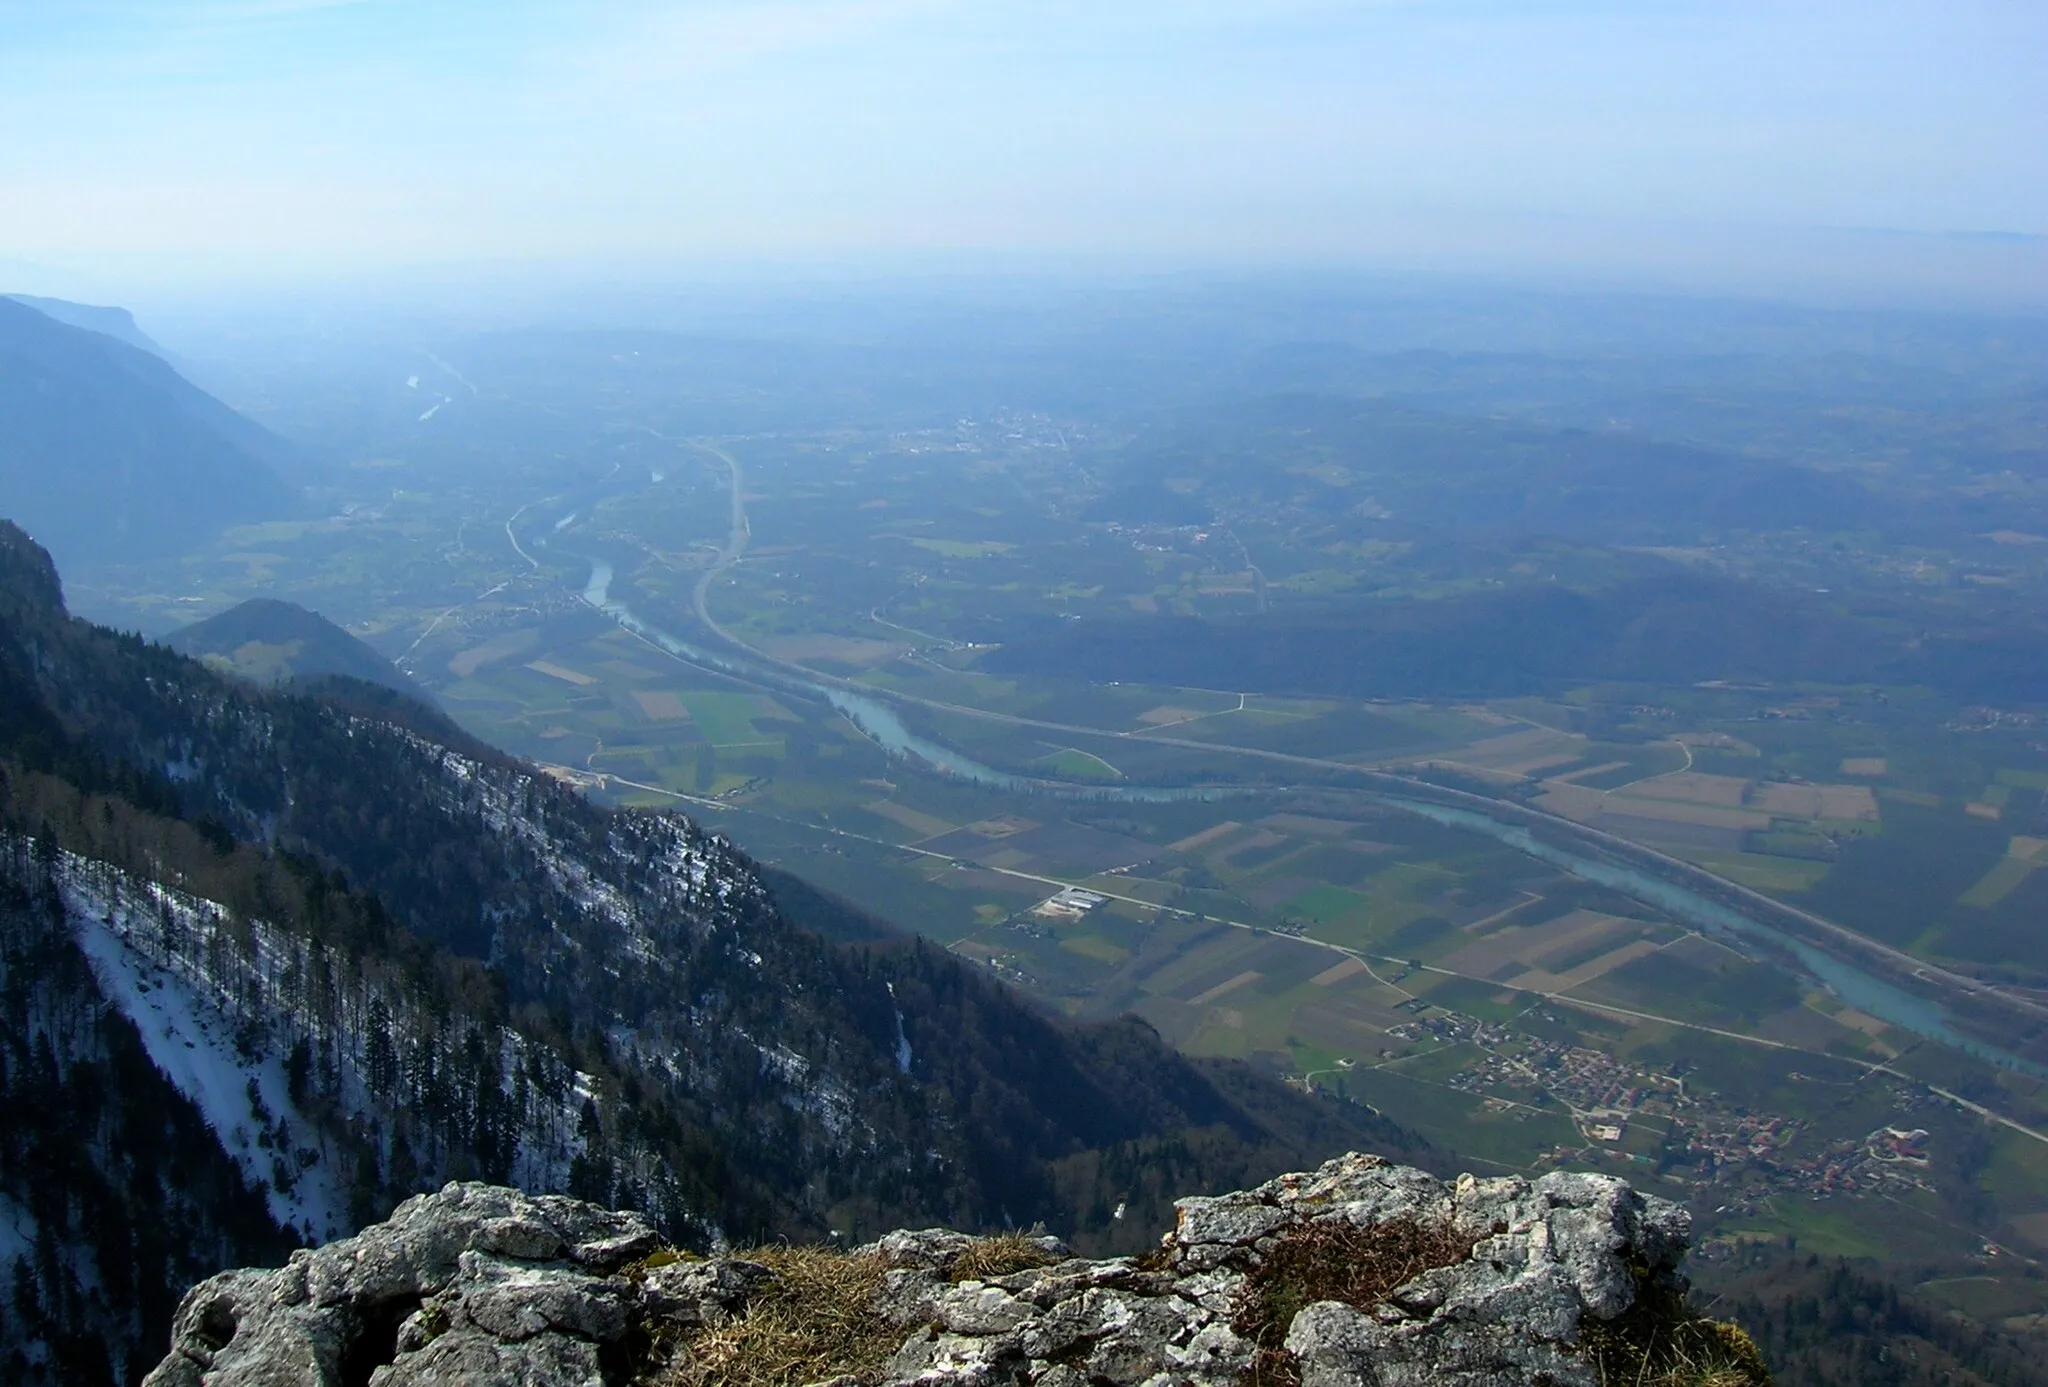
x,y
1361,1272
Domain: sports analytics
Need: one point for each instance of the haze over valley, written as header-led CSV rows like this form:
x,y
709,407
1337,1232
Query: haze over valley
x,y
1061,617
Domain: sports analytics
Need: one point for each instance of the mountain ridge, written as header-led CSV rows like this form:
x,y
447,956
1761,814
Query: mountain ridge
x,y
430,961
110,456
117,323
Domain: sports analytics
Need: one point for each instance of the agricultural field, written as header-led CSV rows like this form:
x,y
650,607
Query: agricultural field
x,y
1257,905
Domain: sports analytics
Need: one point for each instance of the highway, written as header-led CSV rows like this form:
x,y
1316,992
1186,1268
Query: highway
x,y
1814,929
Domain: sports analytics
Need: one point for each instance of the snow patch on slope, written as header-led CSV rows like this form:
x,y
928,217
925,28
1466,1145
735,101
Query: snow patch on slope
x,y
902,1038
193,1044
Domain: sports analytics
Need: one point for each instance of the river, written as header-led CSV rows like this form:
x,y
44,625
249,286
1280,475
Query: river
x,y
881,724
1872,995
1919,1015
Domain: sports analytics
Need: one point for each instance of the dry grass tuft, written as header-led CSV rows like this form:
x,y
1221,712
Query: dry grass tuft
x,y
1336,1260
815,1321
1000,1255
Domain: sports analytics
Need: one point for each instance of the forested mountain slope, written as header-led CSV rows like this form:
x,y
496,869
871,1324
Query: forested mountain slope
x,y
114,1189
371,961
108,455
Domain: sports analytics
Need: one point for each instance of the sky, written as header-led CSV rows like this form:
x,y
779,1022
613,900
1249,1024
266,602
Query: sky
x,y
1684,137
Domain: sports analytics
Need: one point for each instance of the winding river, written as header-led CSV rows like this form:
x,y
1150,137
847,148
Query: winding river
x,y
1888,1002
1873,995
880,723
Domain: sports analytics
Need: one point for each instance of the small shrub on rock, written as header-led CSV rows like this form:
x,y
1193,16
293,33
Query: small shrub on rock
x,y
1333,1260
1661,1341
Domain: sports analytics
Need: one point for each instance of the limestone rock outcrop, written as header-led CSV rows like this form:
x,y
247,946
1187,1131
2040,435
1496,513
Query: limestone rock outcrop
x,y
1361,1272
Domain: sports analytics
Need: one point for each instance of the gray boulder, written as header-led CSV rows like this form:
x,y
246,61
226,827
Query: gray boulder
x,y
474,1284
1388,1277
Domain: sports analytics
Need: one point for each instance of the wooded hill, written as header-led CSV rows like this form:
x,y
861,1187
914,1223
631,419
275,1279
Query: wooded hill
x,y
275,642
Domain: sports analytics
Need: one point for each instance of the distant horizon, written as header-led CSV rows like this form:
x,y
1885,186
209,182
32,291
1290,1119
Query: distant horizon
x,y
1961,273
1885,150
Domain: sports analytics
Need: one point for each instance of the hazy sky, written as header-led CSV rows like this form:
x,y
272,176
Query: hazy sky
x,y
361,133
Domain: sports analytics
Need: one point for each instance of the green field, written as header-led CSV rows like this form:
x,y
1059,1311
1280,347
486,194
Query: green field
x,y
1282,921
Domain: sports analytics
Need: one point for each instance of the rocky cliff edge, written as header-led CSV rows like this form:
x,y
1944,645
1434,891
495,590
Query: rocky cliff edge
x,y
1361,1272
